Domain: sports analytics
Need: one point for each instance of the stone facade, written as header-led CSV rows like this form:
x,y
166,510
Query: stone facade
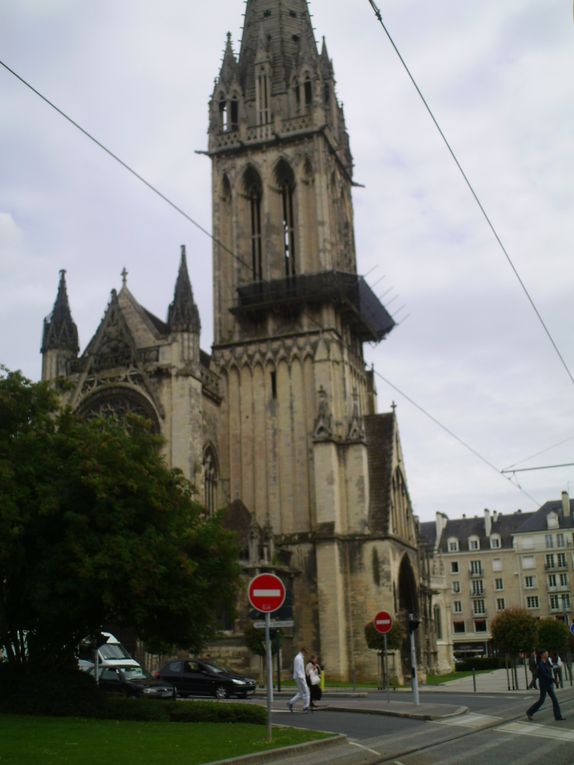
x,y
278,424
483,565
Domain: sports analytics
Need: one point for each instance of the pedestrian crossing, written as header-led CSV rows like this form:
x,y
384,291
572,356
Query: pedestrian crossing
x,y
470,720
534,729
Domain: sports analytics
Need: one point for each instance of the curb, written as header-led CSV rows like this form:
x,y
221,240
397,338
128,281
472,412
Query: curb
x,y
286,751
413,715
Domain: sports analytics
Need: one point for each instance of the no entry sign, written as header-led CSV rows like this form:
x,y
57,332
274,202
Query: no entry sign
x,y
266,593
383,622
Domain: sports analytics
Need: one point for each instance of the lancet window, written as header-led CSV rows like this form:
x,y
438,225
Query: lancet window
x,y
286,182
253,191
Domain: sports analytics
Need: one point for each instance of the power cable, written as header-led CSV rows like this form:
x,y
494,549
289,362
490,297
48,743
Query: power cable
x,y
473,192
125,165
542,451
235,256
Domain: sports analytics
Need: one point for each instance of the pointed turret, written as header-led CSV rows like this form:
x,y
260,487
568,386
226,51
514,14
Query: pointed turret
x,y
60,336
229,68
182,315
60,332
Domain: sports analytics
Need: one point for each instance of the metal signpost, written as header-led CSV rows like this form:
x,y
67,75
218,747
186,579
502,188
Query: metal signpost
x,y
383,622
266,593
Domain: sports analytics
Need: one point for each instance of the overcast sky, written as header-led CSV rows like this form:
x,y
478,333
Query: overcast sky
x,y
499,76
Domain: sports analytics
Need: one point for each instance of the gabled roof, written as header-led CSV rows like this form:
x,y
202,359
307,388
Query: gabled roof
x,y
464,528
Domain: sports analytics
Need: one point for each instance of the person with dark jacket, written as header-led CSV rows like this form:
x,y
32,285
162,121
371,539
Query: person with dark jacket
x,y
545,680
532,661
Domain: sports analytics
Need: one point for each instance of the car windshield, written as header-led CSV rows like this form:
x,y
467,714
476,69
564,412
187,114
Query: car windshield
x,y
217,668
114,651
135,673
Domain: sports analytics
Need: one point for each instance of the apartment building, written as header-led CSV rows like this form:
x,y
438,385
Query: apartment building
x,y
483,565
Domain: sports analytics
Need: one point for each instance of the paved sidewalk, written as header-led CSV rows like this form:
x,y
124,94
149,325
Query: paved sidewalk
x,y
497,681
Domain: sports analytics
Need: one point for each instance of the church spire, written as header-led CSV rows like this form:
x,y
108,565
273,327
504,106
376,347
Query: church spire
x,y
182,315
229,68
60,332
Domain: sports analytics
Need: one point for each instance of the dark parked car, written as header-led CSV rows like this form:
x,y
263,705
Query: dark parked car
x,y
201,677
134,682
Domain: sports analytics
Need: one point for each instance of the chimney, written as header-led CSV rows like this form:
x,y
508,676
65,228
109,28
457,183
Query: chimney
x,y
440,522
565,504
487,522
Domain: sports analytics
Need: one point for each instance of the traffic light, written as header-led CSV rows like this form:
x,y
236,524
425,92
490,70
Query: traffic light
x,y
414,622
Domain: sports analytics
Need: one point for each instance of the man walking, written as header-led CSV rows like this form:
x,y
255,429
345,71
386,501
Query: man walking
x,y
545,681
300,681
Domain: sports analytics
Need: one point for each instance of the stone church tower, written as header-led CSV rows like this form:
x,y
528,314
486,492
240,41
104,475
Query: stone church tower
x,y
278,424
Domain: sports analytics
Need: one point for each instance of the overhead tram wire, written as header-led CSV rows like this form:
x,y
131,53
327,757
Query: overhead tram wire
x,y
188,217
537,454
473,192
125,165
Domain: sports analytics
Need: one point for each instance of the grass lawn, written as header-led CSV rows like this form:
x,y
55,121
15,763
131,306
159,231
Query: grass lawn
x,y
440,679
28,740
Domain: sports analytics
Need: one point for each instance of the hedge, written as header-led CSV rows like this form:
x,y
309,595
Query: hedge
x,y
74,694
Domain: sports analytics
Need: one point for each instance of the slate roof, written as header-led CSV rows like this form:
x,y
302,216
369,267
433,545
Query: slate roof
x,y
537,521
463,528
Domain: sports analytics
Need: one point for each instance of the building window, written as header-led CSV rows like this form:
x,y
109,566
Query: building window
x,y
478,607
496,564
458,627
549,540
452,544
474,543
563,580
478,587
532,601
438,622
500,604
528,561
286,182
456,586
454,567
499,584
561,560
530,581
253,191
457,606
262,97
210,480
480,625
552,581
476,567
495,541
560,540
555,602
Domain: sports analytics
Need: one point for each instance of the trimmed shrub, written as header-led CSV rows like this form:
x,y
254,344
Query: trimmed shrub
x,y
71,693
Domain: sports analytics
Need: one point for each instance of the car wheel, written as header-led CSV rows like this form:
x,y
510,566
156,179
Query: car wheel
x,y
221,692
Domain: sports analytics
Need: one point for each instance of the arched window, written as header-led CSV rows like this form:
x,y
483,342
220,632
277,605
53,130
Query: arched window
x,y
286,182
210,480
223,113
263,95
308,92
233,114
437,622
253,191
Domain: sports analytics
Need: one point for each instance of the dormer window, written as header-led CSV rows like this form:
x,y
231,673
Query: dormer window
x,y
473,543
452,544
552,521
495,541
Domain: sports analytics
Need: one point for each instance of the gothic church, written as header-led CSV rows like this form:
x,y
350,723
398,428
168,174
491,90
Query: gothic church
x,y
278,423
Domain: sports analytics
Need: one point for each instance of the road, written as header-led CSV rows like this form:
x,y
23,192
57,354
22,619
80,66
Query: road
x,y
495,731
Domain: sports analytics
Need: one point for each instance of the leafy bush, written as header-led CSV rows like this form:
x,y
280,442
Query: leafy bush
x,y
71,693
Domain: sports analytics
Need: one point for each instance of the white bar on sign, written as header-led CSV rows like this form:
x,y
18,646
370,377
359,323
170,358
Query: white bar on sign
x,y
267,593
383,621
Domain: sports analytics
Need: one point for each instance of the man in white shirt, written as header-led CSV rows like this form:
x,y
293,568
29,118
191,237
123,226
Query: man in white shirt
x,y
301,681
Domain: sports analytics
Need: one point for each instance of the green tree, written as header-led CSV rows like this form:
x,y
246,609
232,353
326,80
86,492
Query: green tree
x,y
255,640
395,637
514,631
553,635
94,528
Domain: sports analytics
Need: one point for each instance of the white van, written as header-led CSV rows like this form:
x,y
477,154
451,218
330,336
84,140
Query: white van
x,y
110,654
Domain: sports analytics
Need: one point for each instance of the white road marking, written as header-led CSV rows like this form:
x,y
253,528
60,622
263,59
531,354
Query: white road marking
x,y
470,720
535,729
366,748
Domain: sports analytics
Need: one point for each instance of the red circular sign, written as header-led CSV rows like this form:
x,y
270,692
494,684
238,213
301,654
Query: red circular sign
x,y
266,593
383,622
